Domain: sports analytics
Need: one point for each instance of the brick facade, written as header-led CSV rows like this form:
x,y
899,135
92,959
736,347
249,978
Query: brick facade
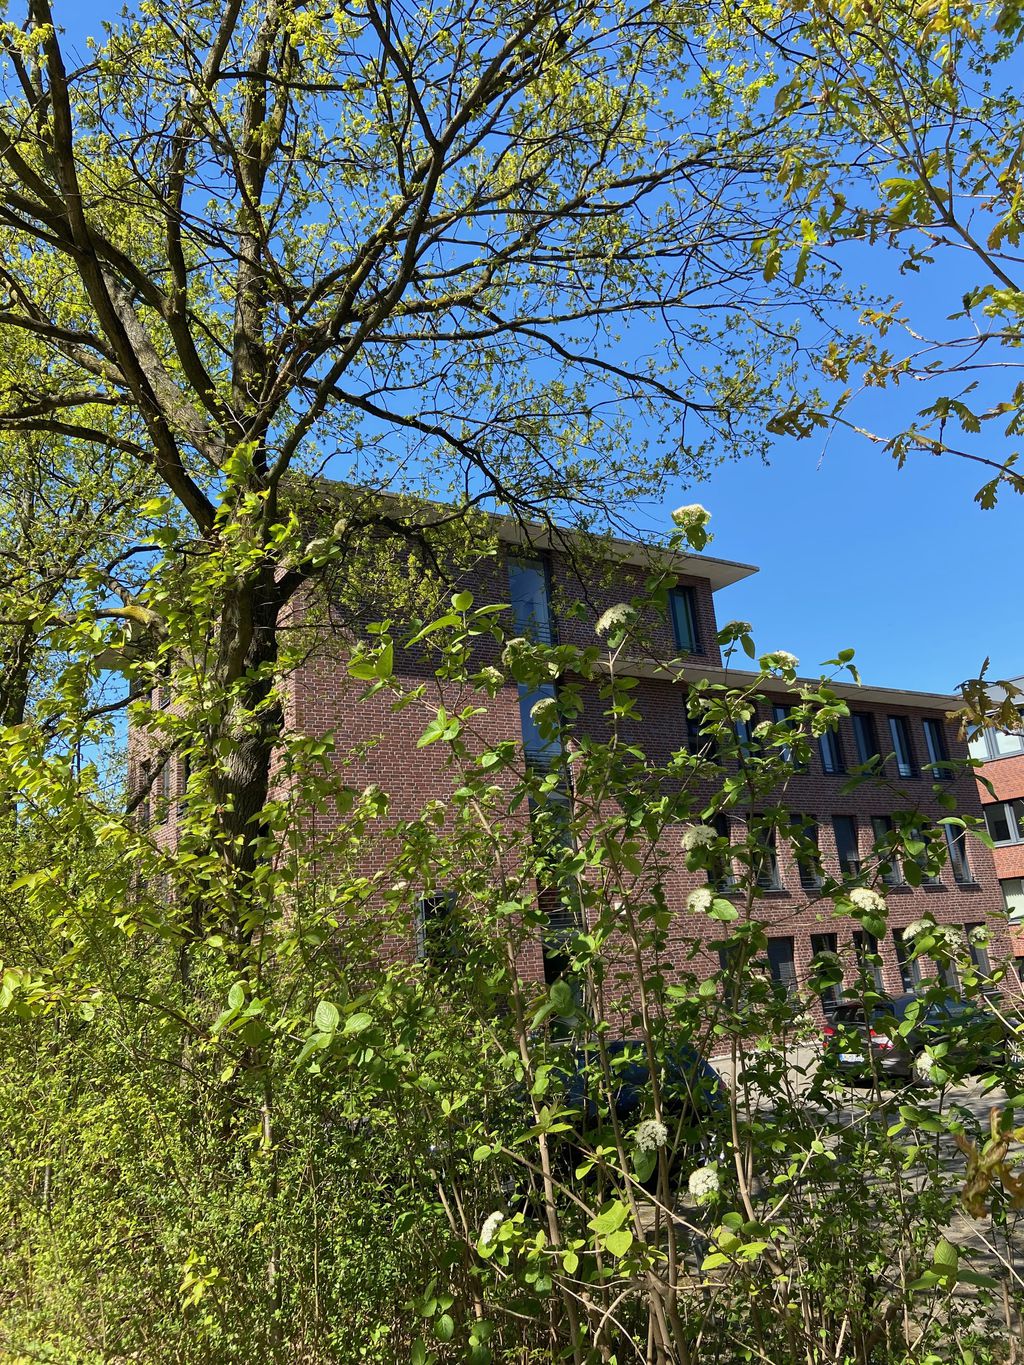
x,y
379,746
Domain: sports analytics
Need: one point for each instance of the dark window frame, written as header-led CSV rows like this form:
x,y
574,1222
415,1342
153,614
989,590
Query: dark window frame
x,y
936,748
830,751
865,736
899,733
682,601
848,866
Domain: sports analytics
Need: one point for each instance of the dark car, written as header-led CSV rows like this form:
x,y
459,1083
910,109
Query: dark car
x,y
692,1093
892,1038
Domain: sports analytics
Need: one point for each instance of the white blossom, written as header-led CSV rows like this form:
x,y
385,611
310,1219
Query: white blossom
x,y
649,1135
780,660
615,618
699,902
703,1184
736,628
917,927
491,677
979,934
867,900
690,516
761,729
492,1223
697,836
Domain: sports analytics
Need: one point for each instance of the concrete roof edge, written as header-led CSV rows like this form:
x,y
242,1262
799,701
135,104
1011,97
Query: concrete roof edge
x,y
735,677
721,573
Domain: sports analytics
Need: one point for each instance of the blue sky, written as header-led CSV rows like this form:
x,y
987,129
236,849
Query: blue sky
x,y
900,565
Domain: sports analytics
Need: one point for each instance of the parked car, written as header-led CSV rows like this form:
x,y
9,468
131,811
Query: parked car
x,y
894,1041
693,1096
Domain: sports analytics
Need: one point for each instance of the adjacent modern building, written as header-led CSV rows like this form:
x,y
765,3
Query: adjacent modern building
x,y
1001,791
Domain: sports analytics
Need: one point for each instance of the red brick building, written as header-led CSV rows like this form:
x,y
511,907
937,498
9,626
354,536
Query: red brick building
x,y
553,598
1002,754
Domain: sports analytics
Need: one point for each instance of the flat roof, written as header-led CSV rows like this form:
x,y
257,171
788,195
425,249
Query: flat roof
x,y
720,573
737,677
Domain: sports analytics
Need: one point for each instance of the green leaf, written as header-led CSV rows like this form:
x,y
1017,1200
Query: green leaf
x,y
618,1243
462,601
723,910
356,1023
444,1327
326,1017
610,1219
236,996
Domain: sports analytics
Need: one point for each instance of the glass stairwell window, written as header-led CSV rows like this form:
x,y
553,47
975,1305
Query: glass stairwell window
x,y
529,590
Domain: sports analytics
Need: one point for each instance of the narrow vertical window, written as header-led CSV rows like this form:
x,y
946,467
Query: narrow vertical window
x,y
956,843
831,751
977,946
899,732
782,964
764,862
529,591
847,848
435,929
864,736
910,968
888,865
827,945
865,946
935,743
683,606
806,851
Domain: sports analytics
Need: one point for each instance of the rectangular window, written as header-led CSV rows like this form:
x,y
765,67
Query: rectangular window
x,y
820,945
865,947
542,750
744,736
435,928
703,746
529,590
1004,821
783,715
888,865
977,946
910,968
1019,964
1013,898
956,843
806,851
865,737
935,743
683,606
720,872
782,963
765,862
831,752
845,827
899,733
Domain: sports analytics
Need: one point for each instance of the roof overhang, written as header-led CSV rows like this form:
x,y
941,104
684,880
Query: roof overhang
x,y
742,678
720,573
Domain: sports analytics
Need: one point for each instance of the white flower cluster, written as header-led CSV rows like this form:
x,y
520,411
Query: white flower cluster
x,y
736,628
699,902
779,661
492,1223
867,900
615,618
649,1135
697,836
948,937
491,677
516,648
691,516
703,1184
979,934
761,729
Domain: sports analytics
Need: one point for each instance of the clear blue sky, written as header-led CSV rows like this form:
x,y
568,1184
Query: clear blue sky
x,y
900,565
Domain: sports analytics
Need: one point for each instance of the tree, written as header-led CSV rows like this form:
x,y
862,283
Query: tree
x,y
446,249
914,127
